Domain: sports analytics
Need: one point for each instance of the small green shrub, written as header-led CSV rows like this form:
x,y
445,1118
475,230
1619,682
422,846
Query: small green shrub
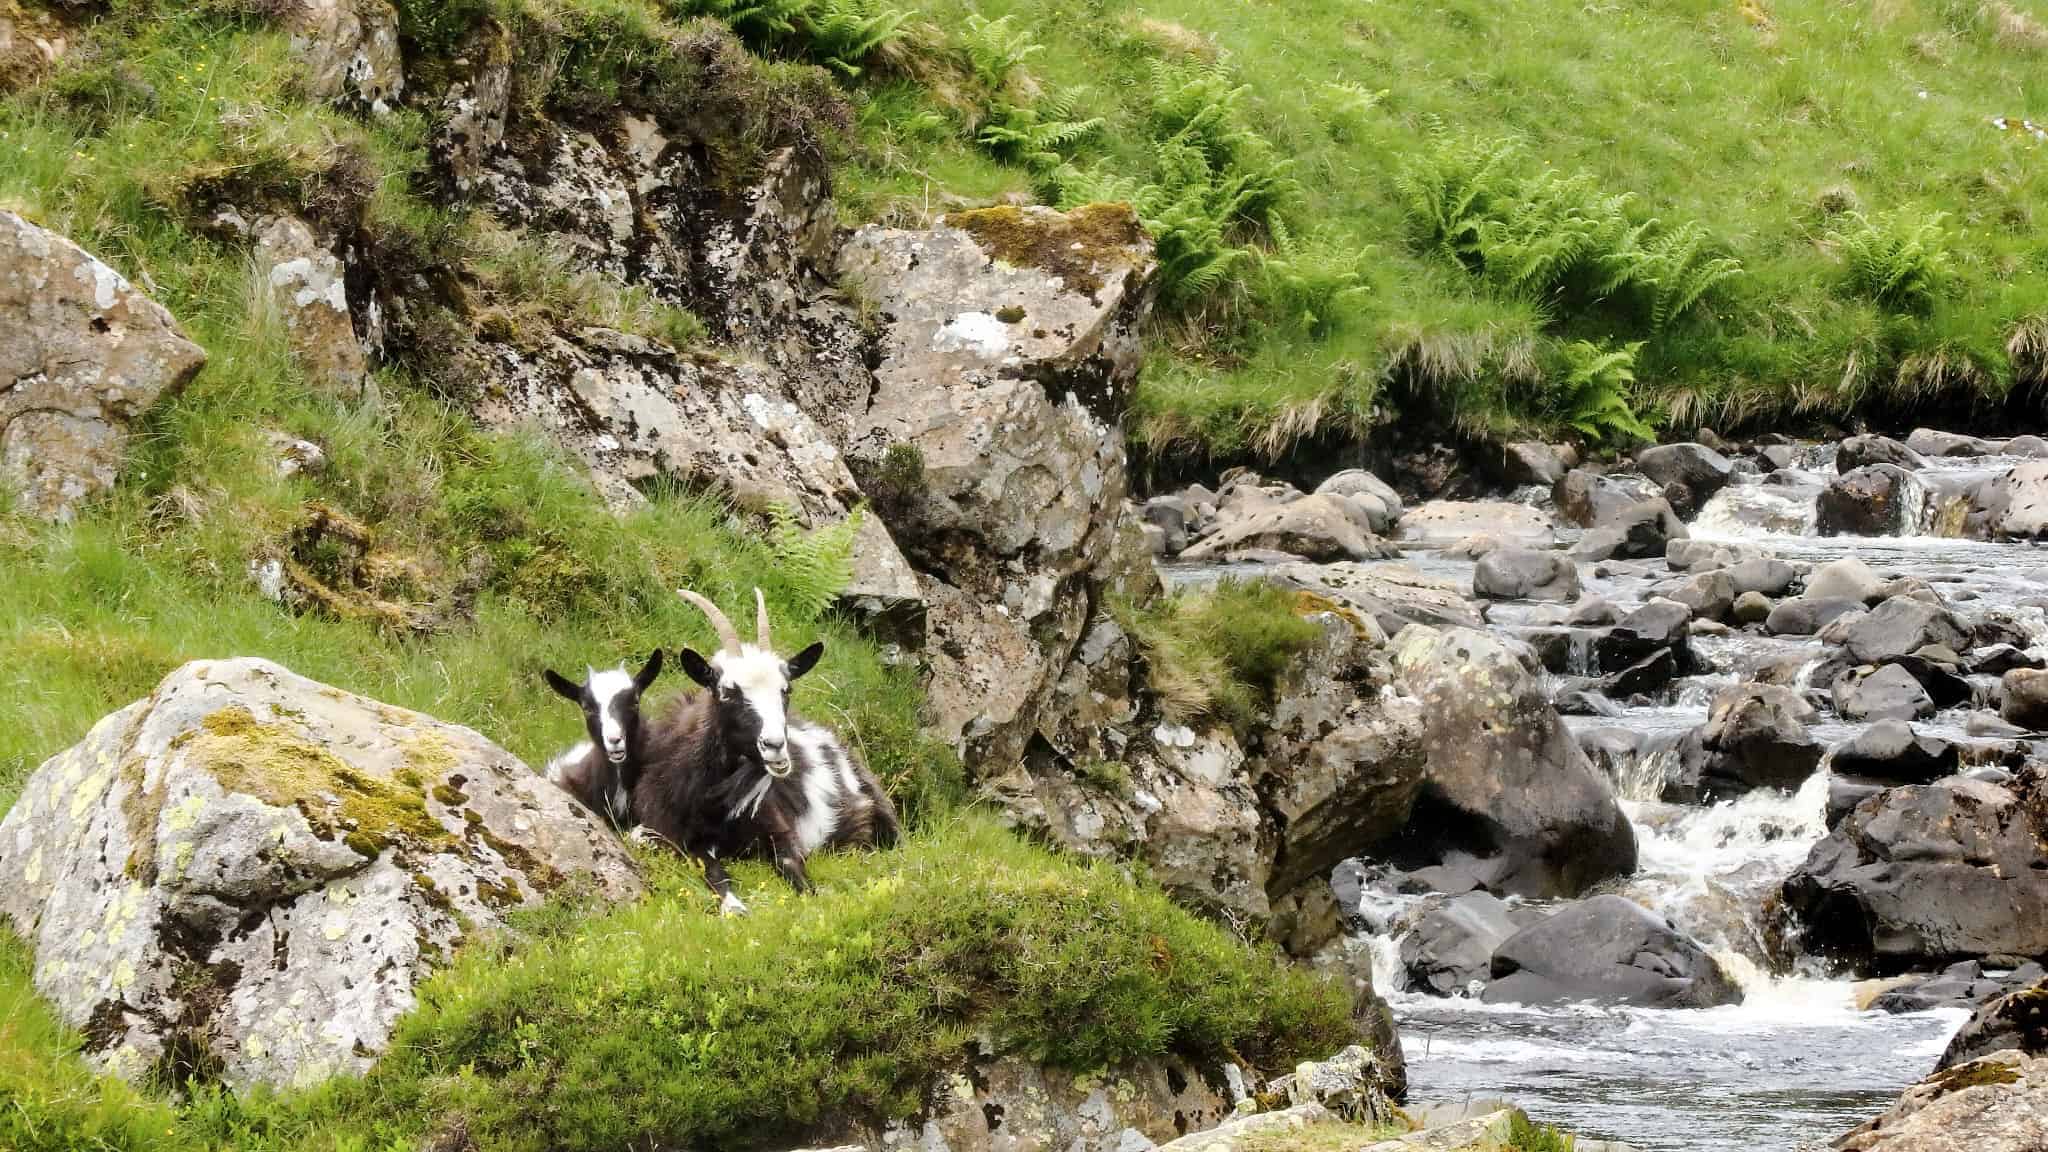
x,y
1593,395
1218,652
1308,282
1899,259
1525,1135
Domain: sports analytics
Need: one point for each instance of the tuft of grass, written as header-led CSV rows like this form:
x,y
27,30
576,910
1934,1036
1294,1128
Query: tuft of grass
x,y
1218,652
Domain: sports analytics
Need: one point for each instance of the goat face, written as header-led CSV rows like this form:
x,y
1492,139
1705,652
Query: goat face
x,y
752,687
611,704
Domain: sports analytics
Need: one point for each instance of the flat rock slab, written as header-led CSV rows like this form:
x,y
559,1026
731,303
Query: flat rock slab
x,y
255,870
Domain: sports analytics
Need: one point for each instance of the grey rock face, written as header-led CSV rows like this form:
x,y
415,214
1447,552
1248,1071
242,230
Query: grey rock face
x,y
84,356
1998,1103
306,283
1452,946
1611,950
1524,574
348,50
1887,692
1857,451
265,867
1874,500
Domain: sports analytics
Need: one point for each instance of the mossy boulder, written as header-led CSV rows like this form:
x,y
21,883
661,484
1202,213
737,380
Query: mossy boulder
x,y
246,874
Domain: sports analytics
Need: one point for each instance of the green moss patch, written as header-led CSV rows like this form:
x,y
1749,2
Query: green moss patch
x,y
1975,1074
1077,247
280,767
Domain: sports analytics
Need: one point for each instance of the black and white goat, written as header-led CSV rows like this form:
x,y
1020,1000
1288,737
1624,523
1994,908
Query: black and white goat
x,y
603,770
728,772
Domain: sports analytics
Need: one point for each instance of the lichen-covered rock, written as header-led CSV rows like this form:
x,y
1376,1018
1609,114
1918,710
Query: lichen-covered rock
x,y
635,411
306,284
1012,1105
348,50
2018,502
1008,344
1505,777
1998,1103
1393,595
1321,527
2016,1020
82,357
1444,522
1874,500
251,872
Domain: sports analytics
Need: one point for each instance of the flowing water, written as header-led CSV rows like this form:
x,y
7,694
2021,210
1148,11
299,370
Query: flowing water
x,y
1797,1063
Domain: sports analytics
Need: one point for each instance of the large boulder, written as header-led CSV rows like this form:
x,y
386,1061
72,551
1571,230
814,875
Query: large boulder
x,y
1928,874
1611,950
1009,341
1902,626
1505,780
2016,1020
1998,1103
2016,503
1655,626
1534,462
1756,737
1369,492
1322,527
1874,500
2024,698
1592,500
1886,692
1452,945
1845,579
1931,442
257,867
1690,472
1441,523
1806,615
83,357
1893,750
1858,451
1644,530
1525,574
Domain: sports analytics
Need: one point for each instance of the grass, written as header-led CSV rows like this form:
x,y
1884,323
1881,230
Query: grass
x,y
662,1025
1218,652
1743,147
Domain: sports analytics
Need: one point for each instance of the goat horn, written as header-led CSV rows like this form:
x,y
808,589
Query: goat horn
x,y
761,622
728,636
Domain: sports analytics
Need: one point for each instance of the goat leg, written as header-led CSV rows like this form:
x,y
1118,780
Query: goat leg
x,y
720,883
790,862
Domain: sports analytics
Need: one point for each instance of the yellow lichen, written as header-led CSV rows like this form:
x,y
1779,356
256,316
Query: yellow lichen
x,y
1078,247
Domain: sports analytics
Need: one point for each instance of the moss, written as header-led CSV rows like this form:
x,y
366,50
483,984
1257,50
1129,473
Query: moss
x,y
496,895
1010,314
1075,247
140,809
1326,1137
539,873
1975,1074
449,796
277,766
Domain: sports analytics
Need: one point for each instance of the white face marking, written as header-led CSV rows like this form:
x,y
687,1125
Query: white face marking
x,y
605,689
758,678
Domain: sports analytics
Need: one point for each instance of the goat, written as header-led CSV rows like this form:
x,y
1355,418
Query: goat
x,y
603,770
728,772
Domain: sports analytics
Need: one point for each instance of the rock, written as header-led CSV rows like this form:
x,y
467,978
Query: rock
x,y
1901,626
1998,1103
1593,612
306,284
1686,554
1962,985
1874,500
1709,595
1998,659
1858,451
1375,494
1319,528
2033,447
84,357
2015,1020
1891,750
1522,574
1657,624
1928,442
1596,544
1646,529
474,111
1752,608
1776,457
1505,776
1260,1130
1350,1085
1756,737
1845,792
1763,575
1844,579
1806,615
264,868
1930,874
636,412
1645,677
348,50
2024,698
2017,503
1990,724
1697,469
1168,515
1452,945
1888,692
1443,522
1591,500
1610,950
1531,462
1010,1104
1393,595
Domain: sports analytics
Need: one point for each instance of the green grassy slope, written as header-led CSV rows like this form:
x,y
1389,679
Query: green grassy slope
x,y
1770,125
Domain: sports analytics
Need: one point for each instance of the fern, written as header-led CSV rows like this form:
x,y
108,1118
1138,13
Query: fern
x,y
1451,189
844,34
1899,259
755,20
813,565
1306,281
1039,136
1593,396
995,49
1676,272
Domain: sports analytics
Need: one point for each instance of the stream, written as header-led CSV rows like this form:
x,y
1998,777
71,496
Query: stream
x,y
1797,1063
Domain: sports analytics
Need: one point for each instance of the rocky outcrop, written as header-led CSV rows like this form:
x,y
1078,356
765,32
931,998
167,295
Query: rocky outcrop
x,y
2017,1020
1924,875
85,355
251,872
1609,950
1505,780
1451,947
1998,1103
307,287
347,50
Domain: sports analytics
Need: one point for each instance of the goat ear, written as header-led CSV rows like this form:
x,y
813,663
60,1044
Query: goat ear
x,y
699,669
805,660
562,686
648,673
